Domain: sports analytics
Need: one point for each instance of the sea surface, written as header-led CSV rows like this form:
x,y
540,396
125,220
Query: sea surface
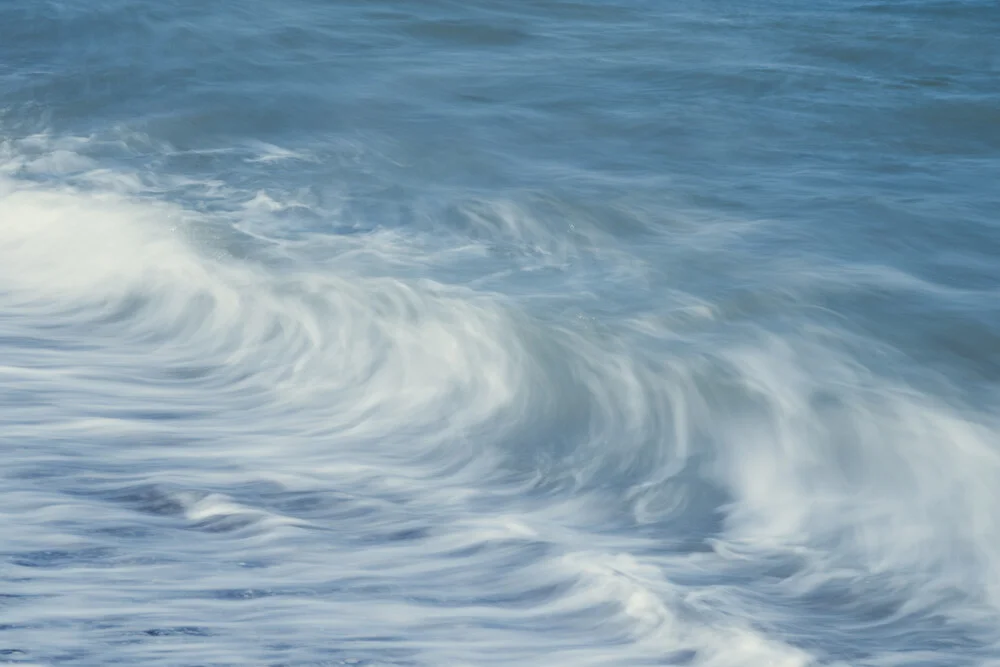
x,y
467,333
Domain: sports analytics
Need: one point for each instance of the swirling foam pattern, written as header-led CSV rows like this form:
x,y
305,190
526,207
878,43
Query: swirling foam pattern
x,y
560,333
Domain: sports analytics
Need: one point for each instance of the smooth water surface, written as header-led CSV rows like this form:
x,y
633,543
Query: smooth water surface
x,y
554,332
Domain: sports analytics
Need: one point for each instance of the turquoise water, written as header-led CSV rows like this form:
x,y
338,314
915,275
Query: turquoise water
x,y
539,333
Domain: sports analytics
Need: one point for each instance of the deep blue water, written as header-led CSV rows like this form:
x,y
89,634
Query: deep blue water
x,y
553,332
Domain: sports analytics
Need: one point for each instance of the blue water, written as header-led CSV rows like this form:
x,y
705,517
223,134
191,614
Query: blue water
x,y
554,332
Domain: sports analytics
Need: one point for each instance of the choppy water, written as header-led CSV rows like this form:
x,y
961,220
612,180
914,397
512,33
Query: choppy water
x,y
555,332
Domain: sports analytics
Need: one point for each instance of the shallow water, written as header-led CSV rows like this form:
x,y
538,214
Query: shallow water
x,y
555,332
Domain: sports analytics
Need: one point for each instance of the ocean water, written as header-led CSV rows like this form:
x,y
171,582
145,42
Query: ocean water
x,y
552,332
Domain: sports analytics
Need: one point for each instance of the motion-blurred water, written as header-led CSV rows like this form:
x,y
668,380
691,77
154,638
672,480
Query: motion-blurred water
x,y
554,332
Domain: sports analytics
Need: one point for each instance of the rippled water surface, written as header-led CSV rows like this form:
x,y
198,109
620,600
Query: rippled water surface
x,y
554,332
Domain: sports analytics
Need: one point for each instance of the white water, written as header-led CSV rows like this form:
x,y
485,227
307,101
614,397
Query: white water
x,y
222,448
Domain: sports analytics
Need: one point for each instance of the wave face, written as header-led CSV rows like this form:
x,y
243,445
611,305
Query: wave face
x,y
557,332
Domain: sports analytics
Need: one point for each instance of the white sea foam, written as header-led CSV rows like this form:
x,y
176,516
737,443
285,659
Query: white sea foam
x,y
362,463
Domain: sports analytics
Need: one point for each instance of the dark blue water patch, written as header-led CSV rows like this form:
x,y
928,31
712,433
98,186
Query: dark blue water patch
x,y
133,532
71,558
172,502
680,658
335,588
182,631
238,594
9,598
231,523
474,34
157,415
155,499
43,341
308,504
416,533
951,338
